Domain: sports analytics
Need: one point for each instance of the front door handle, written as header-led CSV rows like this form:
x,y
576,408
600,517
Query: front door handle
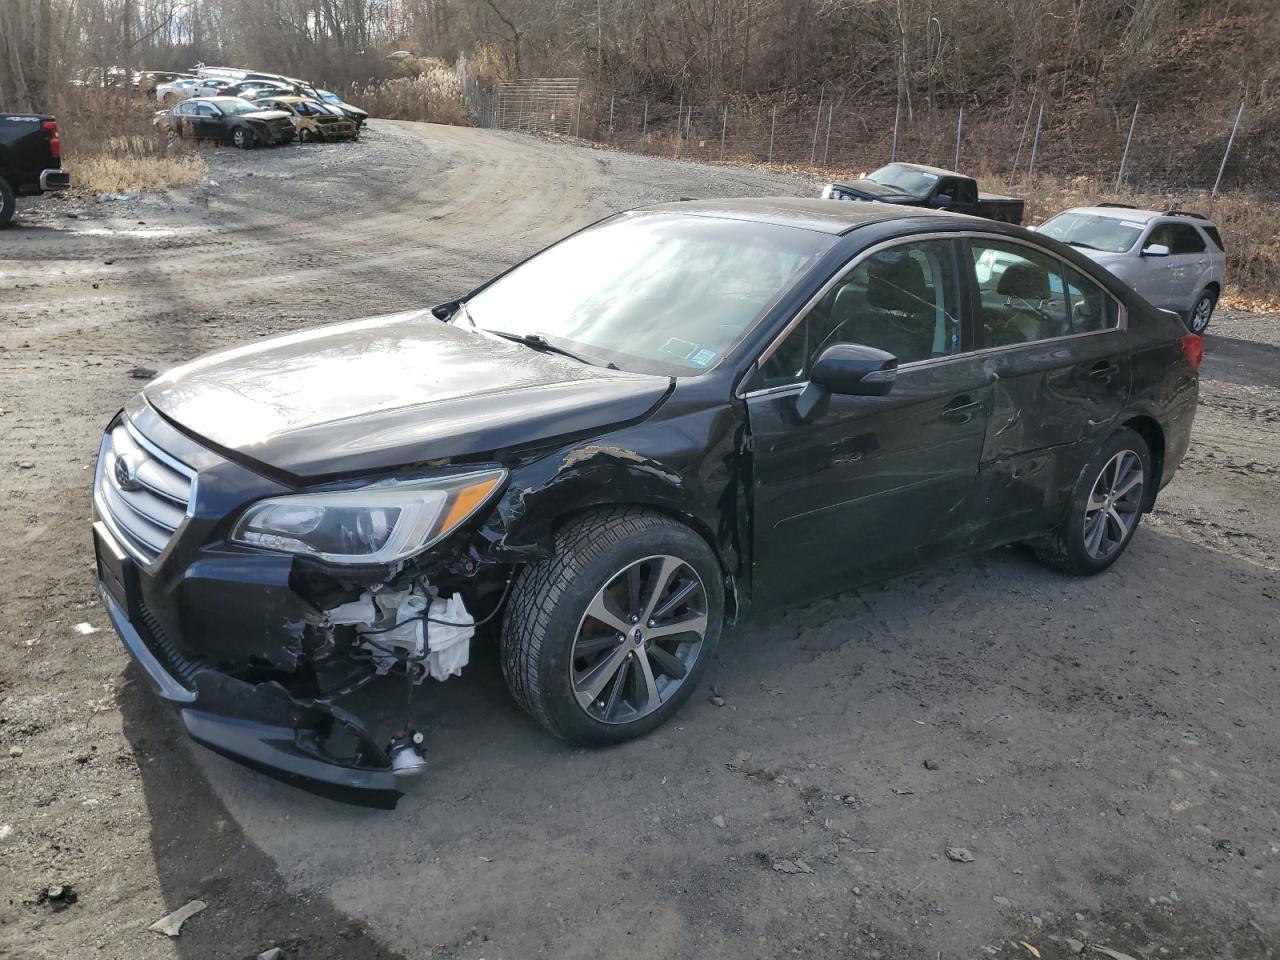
x,y
961,409
1103,370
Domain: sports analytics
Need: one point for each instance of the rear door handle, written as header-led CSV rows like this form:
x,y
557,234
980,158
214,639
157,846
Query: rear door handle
x,y
1103,370
961,409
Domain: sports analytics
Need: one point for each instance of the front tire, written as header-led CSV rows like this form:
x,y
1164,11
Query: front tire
x,y
1105,509
608,638
1202,312
243,139
305,136
8,203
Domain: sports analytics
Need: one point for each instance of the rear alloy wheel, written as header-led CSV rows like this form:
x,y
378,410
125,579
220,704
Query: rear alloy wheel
x,y
1202,312
242,138
609,637
1105,509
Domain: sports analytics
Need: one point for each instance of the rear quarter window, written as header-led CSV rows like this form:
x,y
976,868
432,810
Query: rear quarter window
x,y
1214,236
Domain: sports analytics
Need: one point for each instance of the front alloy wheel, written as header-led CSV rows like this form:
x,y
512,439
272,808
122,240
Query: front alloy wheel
x,y
608,637
242,138
638,639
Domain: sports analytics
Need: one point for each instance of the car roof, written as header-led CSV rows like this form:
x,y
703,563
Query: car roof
x,y
925,168
286,98
1141,216
823,216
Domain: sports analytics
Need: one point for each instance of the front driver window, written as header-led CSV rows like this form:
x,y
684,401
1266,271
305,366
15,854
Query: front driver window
x,y
1022,293
903,299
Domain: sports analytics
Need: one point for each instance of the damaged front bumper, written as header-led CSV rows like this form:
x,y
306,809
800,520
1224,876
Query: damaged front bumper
x,y
309,743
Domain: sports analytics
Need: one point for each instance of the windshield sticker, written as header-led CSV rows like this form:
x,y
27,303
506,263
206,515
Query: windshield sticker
x,y
703,357
675,347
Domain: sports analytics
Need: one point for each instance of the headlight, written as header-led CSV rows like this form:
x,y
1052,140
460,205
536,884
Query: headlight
x,y
829,192
382,523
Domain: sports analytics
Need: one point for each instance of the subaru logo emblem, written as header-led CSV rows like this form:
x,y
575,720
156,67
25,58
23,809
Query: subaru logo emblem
x,y
637,635
125,479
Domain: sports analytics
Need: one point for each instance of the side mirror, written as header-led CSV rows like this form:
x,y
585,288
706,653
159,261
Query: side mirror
x,y
1155,250
1032,228
848,369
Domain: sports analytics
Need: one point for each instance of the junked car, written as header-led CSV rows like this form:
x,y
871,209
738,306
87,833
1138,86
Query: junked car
x,y
1175,259
227,120
174,90
351,111
311,119
604,455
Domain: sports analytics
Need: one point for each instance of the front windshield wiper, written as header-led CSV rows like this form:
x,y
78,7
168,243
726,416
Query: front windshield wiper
x,y
1081,243
540,343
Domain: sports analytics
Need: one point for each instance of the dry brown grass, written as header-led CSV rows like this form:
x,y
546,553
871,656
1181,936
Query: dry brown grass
x,y
130,174
110,144
434,96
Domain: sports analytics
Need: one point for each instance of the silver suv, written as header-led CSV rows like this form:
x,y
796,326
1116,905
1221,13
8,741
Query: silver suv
x,y
1175,259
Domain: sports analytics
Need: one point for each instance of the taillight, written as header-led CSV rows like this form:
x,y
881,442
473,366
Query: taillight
x,y
55,142
1192,346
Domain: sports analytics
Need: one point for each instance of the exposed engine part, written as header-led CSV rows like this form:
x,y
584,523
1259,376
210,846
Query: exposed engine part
x,y
410,626
408,753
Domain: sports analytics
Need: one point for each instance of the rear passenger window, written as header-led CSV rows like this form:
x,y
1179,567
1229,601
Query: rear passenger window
x,y
1186,239
1023,295
1092,308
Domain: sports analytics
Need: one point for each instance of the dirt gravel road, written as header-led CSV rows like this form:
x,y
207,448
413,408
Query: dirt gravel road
x,y
1107,750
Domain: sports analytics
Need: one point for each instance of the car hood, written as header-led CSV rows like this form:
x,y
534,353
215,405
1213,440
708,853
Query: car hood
x,y
1114,262
388,392
872,190
267,115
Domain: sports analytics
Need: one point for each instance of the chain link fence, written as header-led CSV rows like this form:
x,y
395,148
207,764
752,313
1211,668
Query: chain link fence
x,y
1131,145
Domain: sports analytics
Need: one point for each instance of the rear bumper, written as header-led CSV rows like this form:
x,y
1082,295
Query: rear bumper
x,y
308,743
54,180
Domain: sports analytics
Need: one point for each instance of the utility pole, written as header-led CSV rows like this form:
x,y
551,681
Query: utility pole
x,y
1226,153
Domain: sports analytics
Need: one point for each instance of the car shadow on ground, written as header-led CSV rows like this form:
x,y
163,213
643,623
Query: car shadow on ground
x,y
200,853
1012,672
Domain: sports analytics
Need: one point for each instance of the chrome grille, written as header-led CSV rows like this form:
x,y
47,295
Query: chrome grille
x,y
141,492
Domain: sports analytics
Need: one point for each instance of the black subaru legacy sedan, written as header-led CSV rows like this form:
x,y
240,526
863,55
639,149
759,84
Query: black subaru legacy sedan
x,y
602,456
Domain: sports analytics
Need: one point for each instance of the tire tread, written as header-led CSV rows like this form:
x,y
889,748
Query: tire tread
x,y
539,587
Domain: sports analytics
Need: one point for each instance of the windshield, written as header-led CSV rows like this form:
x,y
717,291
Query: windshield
x,y
1092,231
916,183
652,292
234,107
329,97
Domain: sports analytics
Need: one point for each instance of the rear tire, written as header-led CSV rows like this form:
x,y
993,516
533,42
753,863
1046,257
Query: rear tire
x,y
7,202
1202,312
1105,509
584,678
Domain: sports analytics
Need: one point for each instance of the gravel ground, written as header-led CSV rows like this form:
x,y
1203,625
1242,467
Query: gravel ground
x,y
1105,749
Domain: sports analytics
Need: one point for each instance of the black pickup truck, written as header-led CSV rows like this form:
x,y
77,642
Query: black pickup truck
x,y
30,159
915,185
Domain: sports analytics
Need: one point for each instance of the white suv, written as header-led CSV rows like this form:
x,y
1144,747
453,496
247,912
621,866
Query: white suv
x,y
1174,259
